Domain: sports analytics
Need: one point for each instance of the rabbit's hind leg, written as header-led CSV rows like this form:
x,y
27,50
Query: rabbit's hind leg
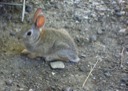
x,y
55,57
25,52
69,54
63,55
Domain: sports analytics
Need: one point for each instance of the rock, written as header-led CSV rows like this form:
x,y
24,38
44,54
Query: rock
x,y
52,88
93,38
21,89
30,90
83,69
100,32
12,34
81,40
7,89
122,30
1,6
107,74
57,65
76,1
9,17
82,56
9,82
77,19
120,13
53,73
29,8
67,89
124,81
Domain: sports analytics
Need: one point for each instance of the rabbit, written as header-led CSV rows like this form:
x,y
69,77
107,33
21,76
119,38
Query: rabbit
x,y
51,44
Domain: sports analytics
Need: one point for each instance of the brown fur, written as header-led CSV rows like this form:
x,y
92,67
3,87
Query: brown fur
x,y
53,44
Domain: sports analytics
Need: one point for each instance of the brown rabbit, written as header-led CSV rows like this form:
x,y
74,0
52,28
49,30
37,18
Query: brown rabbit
x,y
52,44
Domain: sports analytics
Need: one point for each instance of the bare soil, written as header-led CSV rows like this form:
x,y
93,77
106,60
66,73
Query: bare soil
x,y
98,28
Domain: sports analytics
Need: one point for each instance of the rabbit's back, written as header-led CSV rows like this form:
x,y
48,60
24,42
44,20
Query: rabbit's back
x,y
52,39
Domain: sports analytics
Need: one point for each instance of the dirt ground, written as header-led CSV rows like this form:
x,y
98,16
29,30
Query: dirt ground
x,y
99,28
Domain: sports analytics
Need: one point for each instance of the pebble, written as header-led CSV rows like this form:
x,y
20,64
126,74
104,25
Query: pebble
x,y
53,73
67,89
81,40
122,30
93,38
107,74
7,89
31,90
77,18
100,31
124,81
120,13
9,17
9,82
76,1
82,56
29,8
12,34
82,69
57,65
21,89
1,6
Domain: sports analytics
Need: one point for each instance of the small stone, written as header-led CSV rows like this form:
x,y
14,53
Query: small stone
x,y
76,1
1,6
21,89
122,30
57,65
93,38
29,8
53,73
9,82
83,69
82,56
67,89
6,89
100,32
124,81
12,34
117,90
30,90
125,21
9,17
120,13
80,40
107,74
77,18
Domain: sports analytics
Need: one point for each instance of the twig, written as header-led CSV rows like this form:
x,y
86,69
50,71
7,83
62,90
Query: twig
x,y
10,4
122,57
23,11
90,73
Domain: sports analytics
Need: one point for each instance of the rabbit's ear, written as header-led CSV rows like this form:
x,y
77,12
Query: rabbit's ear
x,y
37,13
40,21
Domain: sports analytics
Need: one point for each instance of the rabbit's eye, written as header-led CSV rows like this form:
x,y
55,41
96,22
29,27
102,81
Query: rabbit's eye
x,y
29,33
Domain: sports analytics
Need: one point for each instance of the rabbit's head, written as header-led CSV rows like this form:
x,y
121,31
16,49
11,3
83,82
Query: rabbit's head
x,y
31,34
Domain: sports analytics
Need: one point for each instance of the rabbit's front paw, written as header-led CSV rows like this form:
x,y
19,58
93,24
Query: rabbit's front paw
x,y
32,56
25,52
